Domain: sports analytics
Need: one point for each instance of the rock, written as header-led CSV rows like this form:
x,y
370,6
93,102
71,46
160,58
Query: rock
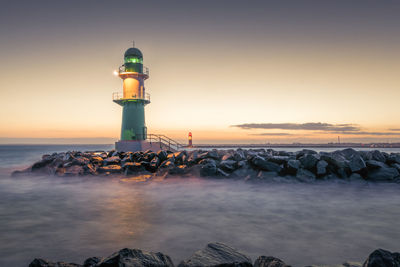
x,y
193,157
167,164
81,161
355,177
208,167
180,169
112,160
239,155
394,158
73,170
97,160
279,159
382,258
349,153
47,263
217,254
335,159
292,166
304,175
110,169
264,261
227,156
213,154
351,264
309,161
376,155
357,164
132,167
162,155
227,165
263,175
321,167
134,258
91,262
262,164
396,165
374,164
383,174
220,172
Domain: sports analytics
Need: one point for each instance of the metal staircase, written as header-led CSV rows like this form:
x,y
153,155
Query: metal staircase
x,y
165,142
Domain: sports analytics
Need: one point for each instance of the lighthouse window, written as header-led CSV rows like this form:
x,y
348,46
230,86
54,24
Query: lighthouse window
x,y
133,60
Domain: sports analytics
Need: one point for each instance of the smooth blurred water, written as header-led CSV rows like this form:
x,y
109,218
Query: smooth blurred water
x,y
71,219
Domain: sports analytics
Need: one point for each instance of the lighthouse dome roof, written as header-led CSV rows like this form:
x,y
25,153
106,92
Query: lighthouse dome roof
x,y
133,51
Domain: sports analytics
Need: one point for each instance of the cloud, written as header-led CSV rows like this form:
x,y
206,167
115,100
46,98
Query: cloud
x,y
369,133
395,129
272,134
310,126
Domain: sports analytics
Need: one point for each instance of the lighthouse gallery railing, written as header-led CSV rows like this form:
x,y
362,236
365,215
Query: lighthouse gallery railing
x,y
120,96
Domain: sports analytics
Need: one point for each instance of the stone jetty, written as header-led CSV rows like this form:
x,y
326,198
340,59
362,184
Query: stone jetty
x,y
213,255
252,164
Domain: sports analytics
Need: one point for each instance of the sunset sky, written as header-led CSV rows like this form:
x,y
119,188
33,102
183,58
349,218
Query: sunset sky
x,y
228,71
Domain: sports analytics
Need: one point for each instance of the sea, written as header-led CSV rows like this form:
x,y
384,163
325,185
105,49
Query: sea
x,y
71,219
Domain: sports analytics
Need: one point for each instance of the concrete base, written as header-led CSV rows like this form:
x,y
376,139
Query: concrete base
x,y
133,146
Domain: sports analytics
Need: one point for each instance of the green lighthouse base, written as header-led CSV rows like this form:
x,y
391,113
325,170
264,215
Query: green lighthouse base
x,y
139,145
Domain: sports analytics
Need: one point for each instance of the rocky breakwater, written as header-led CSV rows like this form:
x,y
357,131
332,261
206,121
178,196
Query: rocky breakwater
x,y
255,164
213,255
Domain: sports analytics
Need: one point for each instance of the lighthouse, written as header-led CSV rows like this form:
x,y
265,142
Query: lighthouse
x,y
133,100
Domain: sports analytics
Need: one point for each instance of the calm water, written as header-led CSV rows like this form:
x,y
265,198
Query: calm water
x,y
71,219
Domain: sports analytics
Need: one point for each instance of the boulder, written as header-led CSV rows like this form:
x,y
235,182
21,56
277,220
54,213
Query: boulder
x,y
132,167
376,155
264,261
110,169
357,164
335,159
162,155
382,258
134,258
304,175
292,166
383,174
180,169
47,263
227,165
374,164
91,262
349,153
73,170
217,254
355,177
394,158
321,167
309,161
352,264
97,160
208,167
80,161
262,164
213,154
112,160
239,155
279,159
220,172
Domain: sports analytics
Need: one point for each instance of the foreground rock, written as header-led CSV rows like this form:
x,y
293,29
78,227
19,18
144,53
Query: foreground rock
x,y
382,258
217,254
305,165
213,255
264,261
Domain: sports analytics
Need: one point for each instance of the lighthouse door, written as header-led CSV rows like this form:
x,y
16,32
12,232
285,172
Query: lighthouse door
x,y
144,133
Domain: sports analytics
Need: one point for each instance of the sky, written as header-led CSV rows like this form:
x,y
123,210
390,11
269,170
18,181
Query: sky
x,y
227,71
